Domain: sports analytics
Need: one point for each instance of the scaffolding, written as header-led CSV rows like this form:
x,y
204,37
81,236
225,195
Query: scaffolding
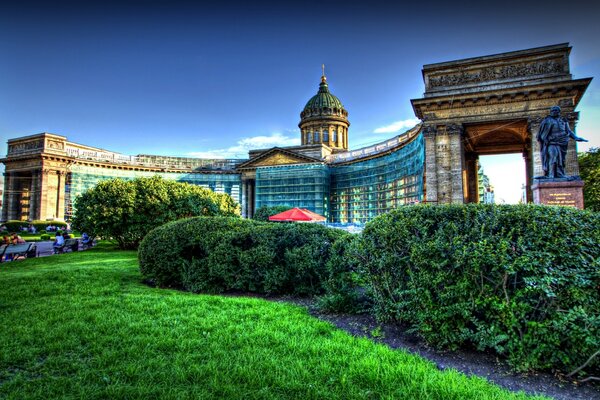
x,y
298,185
362,190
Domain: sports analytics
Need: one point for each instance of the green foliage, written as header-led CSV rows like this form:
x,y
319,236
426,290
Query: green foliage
x,y
127,210
15,226
42,225
85,327
589,169
45,236
521,280
264,212
344,291
219,254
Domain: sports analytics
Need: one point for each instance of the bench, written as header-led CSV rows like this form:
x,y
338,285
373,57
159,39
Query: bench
x,y
69,244
86,244
14,251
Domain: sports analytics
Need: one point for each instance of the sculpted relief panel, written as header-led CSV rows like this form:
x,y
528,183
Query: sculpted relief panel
x,y
278,159
55,145
493,73
25,147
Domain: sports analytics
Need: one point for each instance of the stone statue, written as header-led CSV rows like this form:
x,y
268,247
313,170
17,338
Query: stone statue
x,y
554,137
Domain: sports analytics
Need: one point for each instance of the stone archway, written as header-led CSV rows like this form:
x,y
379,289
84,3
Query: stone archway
x,y
492,105
494,138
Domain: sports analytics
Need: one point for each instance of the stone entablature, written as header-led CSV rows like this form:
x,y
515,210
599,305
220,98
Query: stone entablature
x,y
498,71
49,146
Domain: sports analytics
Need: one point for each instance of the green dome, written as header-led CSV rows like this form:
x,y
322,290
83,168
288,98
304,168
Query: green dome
x,y
323,99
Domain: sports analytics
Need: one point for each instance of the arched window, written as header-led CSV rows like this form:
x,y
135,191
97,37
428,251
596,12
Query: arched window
x,y
316,137
326,137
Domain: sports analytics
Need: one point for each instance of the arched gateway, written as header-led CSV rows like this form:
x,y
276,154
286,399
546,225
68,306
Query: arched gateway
x,y
493,105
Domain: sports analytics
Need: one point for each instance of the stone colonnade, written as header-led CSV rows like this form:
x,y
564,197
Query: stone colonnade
x,y
330,135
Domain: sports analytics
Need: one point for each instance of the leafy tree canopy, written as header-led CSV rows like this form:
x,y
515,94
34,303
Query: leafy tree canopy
x,y
589,169
126,211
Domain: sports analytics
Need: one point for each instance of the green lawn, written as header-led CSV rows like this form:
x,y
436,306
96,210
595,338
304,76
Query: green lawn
x,y
82,325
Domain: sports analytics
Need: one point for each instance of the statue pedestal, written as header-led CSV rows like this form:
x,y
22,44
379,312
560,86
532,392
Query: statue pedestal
x,y
558,192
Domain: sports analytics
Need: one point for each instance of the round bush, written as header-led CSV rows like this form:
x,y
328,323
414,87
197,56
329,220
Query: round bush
x,y
214,254
521,280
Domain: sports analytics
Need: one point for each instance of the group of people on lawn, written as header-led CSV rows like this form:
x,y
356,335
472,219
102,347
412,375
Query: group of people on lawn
x,y
12,239
59,240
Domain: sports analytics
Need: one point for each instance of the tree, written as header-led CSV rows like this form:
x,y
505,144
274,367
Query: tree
x,y
264,212
126,211
589,169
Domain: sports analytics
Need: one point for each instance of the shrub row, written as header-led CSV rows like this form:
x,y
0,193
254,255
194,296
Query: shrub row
x,y
15,226
521,280
216,254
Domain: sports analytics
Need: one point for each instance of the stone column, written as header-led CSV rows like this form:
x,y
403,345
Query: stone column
x,y
338,136
321,134
244,198
431,192
472,165
456,163
571,163
251,197
60,194
528,173
34,196
443,166
9,209
533,125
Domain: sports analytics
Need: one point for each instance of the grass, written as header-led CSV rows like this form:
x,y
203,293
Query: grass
x,y
82,325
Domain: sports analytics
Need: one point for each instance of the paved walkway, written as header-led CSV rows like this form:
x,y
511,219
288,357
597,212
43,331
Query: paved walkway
x,y
45,248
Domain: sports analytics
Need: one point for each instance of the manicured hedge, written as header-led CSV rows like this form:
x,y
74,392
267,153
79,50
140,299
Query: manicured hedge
x,y
215,254
521,280
15,226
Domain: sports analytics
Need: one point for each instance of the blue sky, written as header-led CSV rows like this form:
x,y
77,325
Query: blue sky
x,y
182,78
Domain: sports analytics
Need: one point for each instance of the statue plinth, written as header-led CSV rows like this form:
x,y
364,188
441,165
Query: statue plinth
x,y
558,192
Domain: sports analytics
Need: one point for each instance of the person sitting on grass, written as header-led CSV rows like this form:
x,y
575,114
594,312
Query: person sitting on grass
x,y
59,243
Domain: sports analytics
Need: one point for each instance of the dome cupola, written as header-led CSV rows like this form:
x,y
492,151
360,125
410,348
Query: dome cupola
x,y
324,120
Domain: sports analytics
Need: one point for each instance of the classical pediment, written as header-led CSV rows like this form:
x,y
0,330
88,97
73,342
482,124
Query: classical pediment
x,y
277,156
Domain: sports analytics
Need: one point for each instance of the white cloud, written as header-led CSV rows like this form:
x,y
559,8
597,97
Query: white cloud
x,y
398,126
243,145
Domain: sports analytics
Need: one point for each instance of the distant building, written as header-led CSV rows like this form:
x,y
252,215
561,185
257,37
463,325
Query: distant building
x,y
486,190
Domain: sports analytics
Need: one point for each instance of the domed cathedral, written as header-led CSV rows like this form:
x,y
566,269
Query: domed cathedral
x,y
324,120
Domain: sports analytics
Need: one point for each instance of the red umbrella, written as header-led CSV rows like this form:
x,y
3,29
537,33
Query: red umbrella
x,y
297,214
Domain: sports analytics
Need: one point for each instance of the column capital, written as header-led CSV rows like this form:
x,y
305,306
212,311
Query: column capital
x,y
429,131
454,129
533,122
